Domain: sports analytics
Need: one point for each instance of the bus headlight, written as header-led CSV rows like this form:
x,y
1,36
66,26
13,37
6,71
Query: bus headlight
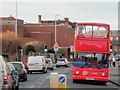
x,y
103,74
77,72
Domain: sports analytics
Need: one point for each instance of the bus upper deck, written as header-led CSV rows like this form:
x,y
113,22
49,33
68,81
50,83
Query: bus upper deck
x,y
92,37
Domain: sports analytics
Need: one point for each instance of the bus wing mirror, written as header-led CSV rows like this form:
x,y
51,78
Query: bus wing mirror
x,y
73,25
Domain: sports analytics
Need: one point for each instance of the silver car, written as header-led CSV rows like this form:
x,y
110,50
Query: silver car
x,y
13,73
62,62
49,63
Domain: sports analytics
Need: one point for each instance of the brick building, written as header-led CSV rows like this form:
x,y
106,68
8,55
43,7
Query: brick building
x,y
8,24
43,31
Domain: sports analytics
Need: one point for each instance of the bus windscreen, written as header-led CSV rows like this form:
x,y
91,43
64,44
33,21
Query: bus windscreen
x,y
91,60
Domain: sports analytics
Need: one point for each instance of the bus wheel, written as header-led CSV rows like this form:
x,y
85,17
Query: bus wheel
x,y
74,81
103,83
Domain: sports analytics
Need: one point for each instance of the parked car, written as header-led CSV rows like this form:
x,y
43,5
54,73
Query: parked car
x,y
62,62
20,68
117,58
6,77
13,73
49,63
3,76
37,64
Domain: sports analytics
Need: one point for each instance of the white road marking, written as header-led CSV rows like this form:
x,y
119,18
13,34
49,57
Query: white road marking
x,y
32,86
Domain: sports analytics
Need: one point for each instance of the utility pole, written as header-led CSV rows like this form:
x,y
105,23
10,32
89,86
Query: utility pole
x,y
55,29
16,34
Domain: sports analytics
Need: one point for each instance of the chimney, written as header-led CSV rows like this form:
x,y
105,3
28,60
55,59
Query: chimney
x,y
39,19
11,17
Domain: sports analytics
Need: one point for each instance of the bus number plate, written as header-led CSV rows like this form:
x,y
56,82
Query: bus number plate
x,y
89,78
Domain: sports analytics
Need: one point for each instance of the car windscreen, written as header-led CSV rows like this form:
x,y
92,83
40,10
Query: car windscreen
x,y
61,59
17,66
48,61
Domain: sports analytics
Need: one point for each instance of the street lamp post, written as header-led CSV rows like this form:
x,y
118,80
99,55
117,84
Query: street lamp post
x,y
16,34
55,29
55,36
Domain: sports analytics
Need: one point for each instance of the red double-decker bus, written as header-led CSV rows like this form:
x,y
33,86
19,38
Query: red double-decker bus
x,y
91,49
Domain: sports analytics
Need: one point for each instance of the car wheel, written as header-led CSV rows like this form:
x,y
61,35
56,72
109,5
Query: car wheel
x,y
25,79
17,87
52,68
30,72
13,87
66,66
57,66
44,71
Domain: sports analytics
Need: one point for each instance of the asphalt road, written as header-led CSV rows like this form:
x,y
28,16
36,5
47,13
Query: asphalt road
x,y
39,80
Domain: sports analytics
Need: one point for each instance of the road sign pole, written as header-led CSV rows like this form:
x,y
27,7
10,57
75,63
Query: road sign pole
x,y
56,47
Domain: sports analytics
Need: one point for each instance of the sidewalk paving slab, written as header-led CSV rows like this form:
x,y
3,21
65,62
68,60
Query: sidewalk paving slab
x,y
114,75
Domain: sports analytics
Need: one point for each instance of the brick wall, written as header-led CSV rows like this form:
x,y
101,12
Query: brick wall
x,y
46,34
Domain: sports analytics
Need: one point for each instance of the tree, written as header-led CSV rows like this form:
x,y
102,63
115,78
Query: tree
x,y
51,51
30,48
62,52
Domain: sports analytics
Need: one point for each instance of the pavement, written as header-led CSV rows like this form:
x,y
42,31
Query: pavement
x,y
114,75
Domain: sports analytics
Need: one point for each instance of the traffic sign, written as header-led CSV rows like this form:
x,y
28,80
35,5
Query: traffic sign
x,y
56,47
62,79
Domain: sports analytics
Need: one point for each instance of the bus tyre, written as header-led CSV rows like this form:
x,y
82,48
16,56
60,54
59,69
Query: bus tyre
x,y
103,83
74,81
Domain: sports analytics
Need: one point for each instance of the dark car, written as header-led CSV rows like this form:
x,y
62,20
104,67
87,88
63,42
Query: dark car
x,y
22,73
13,73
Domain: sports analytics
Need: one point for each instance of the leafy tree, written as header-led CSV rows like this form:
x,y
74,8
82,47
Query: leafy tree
x,y
30,48
51,51
62,52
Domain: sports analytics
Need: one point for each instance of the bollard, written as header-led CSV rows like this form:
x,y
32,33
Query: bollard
x,y
62,81
54,80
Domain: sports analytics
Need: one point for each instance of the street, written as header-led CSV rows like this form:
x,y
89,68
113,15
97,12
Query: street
x,y
39,80
83,36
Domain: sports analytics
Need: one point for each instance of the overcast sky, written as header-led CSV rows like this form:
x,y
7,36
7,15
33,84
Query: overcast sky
x,y
105,11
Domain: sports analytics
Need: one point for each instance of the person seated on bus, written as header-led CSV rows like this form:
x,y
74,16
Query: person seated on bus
x,y
78,59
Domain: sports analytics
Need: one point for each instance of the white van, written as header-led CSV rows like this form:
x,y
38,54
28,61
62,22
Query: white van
x,y
36,64
2,71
